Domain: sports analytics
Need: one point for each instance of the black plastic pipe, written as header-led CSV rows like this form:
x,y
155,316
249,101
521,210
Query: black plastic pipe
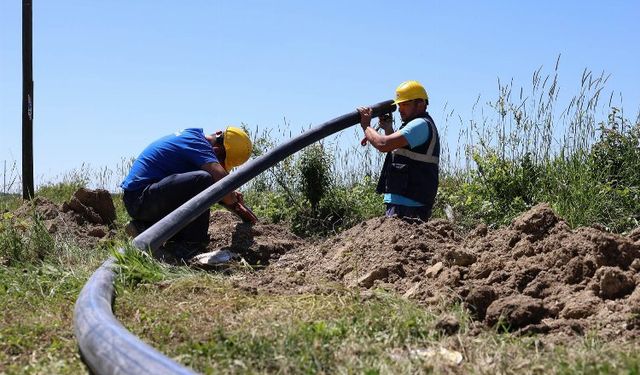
x,y
106,346
160,232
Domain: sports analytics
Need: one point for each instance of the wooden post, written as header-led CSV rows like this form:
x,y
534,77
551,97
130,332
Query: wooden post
x,y
27,101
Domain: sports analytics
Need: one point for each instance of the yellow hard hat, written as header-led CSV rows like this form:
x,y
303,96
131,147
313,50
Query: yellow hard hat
x,y
237,146
410,90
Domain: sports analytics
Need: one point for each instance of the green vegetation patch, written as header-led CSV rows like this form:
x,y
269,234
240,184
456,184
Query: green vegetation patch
x,y
36,331
209,324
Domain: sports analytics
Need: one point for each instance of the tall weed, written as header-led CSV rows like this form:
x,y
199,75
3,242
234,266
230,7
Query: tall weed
x,y
24,241
527,153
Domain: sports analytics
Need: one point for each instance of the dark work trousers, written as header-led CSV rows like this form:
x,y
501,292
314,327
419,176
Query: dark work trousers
x,y
406,212
152,203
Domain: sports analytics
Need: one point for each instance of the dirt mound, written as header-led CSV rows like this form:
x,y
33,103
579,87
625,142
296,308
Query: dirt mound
x,y
535,275
83,220
258,244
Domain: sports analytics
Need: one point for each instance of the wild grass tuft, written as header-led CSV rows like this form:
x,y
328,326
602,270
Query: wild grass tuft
x,y
531,151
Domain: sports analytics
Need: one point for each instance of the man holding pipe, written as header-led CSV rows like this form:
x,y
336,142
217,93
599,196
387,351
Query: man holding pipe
x,y
177,167
409,177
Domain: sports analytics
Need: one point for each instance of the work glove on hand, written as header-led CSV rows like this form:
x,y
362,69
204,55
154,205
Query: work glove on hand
x,y
240,209
245,213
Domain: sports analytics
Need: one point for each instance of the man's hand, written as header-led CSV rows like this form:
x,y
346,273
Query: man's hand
x,y
243,212
239,196
385,122
365,117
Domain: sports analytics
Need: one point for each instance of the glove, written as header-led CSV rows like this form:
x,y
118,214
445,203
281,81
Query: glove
x,y
243,212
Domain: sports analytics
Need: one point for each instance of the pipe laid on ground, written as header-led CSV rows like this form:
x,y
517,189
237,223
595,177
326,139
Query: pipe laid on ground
x,y
106,346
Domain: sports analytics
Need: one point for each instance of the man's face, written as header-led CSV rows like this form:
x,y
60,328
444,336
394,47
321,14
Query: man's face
x,y
409,110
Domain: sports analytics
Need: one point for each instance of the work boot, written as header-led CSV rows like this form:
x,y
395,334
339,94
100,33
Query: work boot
x,y
135,227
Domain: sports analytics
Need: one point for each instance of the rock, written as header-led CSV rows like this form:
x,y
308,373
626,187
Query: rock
x,y
434,270
367,280
412,291
460,257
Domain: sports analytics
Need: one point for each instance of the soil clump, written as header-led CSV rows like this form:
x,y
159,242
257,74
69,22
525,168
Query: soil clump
x,y
84,220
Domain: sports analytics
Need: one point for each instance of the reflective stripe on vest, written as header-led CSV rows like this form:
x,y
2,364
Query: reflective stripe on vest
x,y
425,158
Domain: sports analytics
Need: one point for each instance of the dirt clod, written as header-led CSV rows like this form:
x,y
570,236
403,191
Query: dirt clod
x,y
448,325
515,312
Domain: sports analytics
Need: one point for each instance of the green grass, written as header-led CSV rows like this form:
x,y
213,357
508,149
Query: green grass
x,y
204,322
36,334
40,279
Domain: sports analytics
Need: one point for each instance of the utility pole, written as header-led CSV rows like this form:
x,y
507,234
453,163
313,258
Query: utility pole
x,y
27,101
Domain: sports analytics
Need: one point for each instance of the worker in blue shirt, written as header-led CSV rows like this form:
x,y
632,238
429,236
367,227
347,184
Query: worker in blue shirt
x,y
409,177
174,169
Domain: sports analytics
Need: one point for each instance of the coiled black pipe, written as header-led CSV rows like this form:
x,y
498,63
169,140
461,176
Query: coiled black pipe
x,y
106,346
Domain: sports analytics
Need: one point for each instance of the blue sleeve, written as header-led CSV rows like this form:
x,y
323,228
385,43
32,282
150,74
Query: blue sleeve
x,y
201,153
196,147
416,132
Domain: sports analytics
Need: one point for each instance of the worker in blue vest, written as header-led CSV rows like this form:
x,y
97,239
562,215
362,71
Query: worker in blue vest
x,y
409,177
177,167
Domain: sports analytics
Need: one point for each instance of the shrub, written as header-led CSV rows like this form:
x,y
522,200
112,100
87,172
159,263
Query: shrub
x,y
314,168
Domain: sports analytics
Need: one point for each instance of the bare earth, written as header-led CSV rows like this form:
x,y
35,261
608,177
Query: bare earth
x,y
534,276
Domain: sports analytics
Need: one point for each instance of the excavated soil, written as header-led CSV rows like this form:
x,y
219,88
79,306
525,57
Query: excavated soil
x,y
85,220
535,275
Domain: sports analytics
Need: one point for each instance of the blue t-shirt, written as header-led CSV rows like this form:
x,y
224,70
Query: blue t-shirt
x,y
180,152
416,132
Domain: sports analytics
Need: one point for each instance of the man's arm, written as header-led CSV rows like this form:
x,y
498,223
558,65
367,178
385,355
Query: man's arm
x,y
383,142
217,172
232,201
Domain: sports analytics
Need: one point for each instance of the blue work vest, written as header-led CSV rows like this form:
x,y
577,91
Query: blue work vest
x,y
413,172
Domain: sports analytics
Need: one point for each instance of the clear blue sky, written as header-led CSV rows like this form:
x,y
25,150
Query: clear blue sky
x,y
111,76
